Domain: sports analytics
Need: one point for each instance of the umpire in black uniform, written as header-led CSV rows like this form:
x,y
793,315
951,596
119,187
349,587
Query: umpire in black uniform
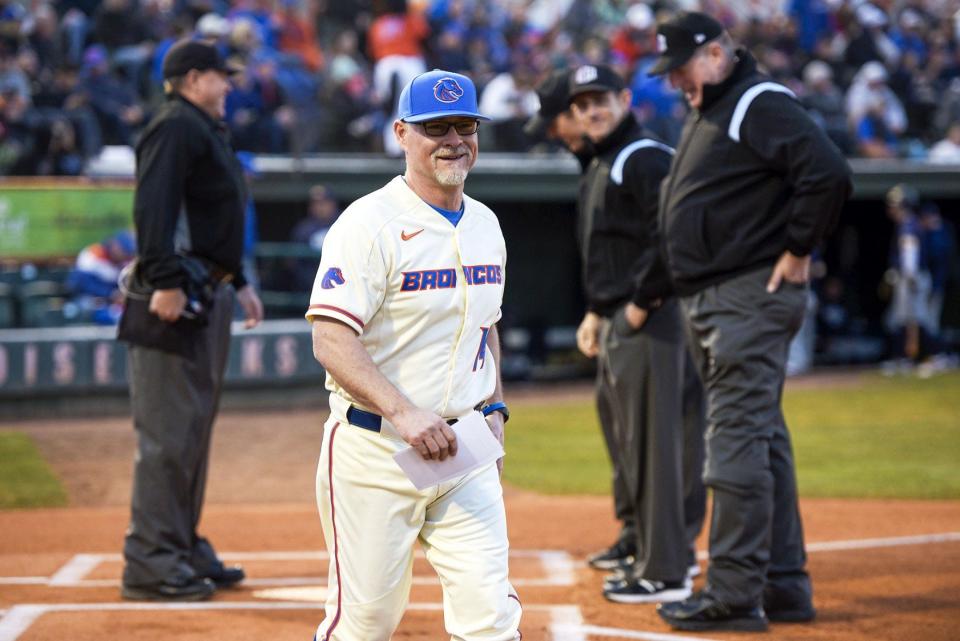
x,y
633,327
753,188
189,215
555,120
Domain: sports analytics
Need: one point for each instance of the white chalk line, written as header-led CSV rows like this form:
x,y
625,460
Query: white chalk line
x,y
24,580
567,624
558,566
19,618
864,544
320,581
600,631
75,569
868,544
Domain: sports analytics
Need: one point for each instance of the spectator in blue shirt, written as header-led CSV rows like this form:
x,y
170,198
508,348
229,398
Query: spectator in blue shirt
x,y
93,280
874,139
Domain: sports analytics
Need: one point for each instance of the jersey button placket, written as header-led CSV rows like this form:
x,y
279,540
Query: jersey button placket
x,y
463,292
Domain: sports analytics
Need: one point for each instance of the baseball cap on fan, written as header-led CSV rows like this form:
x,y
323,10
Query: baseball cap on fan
x,y
554,95
587,78
679,37
438,94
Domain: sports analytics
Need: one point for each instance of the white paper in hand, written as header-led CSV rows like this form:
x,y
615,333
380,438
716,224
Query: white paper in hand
x,y
476,447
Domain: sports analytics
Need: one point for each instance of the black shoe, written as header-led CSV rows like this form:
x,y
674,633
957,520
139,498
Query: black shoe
x,y
620,554
207,563
175,589
622,572
645,591
618,576
225,576
703,611
782,606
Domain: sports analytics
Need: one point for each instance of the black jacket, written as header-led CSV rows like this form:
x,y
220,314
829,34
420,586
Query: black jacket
x,y
617,223
753,176
184,160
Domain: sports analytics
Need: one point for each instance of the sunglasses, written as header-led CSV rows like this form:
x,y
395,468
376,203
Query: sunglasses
x,y
437,128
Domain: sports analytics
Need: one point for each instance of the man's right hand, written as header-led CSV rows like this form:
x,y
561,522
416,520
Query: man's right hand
x,y
168,304
588,334
427,432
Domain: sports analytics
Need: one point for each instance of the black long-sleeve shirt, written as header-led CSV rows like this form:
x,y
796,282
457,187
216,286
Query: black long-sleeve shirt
x,y
618,223
185,163
753,176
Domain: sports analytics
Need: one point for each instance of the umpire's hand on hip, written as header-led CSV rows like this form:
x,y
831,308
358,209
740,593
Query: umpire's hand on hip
x,y
588,335
636,316
790,268
426,432
168,304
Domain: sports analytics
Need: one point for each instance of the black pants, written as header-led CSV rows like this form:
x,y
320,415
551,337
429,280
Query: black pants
x,y
174,402
622,501
640,389
694,424
739,336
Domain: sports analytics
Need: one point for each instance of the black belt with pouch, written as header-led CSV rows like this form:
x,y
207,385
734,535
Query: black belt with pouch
x,y
140,326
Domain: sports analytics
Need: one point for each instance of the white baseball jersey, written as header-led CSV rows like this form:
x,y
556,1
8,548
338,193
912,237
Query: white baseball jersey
x,y
422,296
421,293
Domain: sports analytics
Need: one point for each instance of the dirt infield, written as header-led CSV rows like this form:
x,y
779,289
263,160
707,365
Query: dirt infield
x,y
883,570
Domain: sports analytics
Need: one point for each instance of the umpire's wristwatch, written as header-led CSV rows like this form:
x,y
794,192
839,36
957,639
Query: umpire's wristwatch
x,y
496,407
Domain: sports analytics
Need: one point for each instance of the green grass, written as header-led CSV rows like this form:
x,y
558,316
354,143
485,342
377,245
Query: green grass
x,y
897,438
25,479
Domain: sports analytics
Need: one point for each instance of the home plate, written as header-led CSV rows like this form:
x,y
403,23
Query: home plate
x,y
315,593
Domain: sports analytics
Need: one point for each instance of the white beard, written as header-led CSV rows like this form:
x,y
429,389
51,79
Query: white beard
x,y
451,177
454,176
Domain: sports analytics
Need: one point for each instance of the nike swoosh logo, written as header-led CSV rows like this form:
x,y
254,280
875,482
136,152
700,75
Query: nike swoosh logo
x,y
405,236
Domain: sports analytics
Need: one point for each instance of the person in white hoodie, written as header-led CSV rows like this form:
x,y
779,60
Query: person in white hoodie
x,y
868,88
947,151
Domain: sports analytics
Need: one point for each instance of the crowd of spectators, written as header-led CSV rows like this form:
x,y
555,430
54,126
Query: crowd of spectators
x,y
882,76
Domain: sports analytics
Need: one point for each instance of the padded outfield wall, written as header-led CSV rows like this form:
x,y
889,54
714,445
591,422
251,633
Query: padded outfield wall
x,y
73,369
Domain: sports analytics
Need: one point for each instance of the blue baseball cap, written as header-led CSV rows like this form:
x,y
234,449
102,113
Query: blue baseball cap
x,y
438,94
126,242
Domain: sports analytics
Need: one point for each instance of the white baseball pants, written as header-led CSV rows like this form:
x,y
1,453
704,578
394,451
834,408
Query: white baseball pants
x,y
372,516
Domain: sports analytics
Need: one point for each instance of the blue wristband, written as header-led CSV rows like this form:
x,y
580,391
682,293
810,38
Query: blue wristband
x,y
499,406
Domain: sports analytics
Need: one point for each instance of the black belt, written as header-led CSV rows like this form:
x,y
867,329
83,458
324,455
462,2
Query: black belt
x,y
370,421
362,418
217,274
220,275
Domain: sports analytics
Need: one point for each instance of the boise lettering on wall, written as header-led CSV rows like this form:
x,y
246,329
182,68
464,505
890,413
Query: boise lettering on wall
x,y
286,352
64,368
252,357
30,362
102,363
85,359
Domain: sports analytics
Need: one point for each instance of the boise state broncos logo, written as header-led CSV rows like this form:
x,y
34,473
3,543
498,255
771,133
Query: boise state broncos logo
x,y
447,90
332,278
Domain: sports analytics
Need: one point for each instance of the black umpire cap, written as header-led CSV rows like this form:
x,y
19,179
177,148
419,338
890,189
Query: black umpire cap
x,y
587,78
554,100
680,36
193,54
